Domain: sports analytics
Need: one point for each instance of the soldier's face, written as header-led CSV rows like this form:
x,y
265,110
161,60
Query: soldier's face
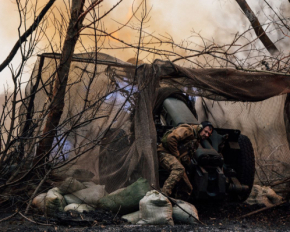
x,y
205,133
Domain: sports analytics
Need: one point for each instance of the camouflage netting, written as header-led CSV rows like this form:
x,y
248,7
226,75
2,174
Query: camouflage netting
x,y
263,123
107,128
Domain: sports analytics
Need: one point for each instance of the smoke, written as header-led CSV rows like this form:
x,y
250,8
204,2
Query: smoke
x,y
216,21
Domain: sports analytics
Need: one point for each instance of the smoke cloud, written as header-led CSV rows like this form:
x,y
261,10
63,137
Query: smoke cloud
x,y
217,21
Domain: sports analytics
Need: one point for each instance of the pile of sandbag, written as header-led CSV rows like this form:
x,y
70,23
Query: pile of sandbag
x,y
71,194
156,209
87,196
263,196
125,200
136,202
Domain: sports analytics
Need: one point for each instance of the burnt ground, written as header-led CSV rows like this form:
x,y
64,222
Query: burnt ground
x,y
216,217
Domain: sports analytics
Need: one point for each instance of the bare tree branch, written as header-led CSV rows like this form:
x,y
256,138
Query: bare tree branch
x,y
261,34
26,34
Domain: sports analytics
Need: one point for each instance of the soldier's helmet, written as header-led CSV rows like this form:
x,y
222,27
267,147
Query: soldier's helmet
x,y
205,124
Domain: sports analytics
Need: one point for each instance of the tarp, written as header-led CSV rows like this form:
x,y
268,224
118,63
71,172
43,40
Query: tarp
x,y
114,134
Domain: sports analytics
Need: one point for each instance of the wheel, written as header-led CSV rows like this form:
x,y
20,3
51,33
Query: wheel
x,y
245,166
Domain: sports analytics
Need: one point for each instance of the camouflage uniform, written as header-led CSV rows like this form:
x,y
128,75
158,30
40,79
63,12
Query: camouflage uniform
x,y
170,158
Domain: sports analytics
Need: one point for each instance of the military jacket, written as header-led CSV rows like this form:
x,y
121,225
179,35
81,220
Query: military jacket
x,y
180,135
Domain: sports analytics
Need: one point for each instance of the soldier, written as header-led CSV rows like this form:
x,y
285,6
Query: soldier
x,y
171,155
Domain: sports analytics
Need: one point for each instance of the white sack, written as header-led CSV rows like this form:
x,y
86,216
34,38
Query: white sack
x,y
132,217
39,202
79,208
70,185
264,196
116,191
89,184
86,196
155,209
181,216
54,202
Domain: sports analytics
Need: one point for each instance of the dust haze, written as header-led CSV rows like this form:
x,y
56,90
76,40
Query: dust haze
x,y
216,21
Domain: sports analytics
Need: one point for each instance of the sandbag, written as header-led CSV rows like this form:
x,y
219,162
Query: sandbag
x,y
70,185
117,191
89,184
54,202
263,196
127,200
155,209
180,216
88,196
132,217
39,202
79,208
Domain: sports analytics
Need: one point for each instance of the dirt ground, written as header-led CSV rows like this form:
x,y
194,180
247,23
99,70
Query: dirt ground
x,y
217,217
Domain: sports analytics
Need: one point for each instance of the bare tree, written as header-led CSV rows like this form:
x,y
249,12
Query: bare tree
x,y
60,83
31,127
35,148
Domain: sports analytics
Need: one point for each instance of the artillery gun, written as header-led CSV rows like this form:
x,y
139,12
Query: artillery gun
x,y
222,166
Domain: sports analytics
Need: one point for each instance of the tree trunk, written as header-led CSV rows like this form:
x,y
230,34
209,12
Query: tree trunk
x,y
60,83
261,34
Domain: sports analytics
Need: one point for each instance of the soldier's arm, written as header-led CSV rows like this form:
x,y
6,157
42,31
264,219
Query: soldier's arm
x,y
175,137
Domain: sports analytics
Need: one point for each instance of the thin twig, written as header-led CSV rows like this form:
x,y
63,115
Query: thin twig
x,y
263,71
280,182
261,210
11,216
36,190
26,34
38,223
117,212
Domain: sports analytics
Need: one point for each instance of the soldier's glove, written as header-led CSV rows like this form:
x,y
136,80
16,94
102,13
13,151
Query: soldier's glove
x,y
192,146
185,160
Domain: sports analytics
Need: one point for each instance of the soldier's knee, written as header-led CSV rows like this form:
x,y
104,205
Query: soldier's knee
x,y
182,170
179,166
179,169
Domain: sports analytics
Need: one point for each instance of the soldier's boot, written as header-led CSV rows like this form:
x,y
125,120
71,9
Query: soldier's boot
x,y
166,191
184,189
